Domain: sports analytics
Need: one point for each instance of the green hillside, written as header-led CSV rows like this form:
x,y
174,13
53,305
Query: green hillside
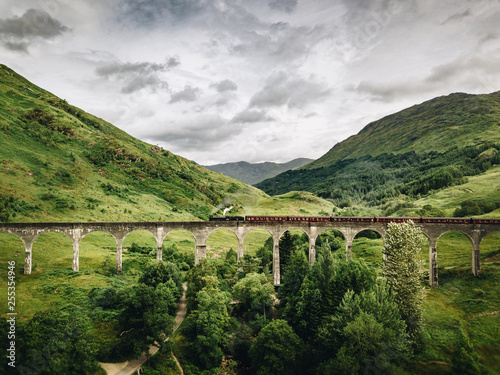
x,y
436,125
59,163
404,157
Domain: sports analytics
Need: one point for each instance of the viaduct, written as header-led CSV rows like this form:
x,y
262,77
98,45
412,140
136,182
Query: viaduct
x,y
29,232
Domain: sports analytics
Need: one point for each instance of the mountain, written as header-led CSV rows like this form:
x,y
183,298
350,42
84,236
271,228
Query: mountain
x,y
393,162
436,125
59,163
254,173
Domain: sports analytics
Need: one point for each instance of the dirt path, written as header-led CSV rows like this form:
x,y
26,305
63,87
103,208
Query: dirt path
x,y
131,367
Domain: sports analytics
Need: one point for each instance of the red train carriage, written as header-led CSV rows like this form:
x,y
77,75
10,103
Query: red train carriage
x,y
339,218
481,220
447,220
266,218
308,218
397,219
352,219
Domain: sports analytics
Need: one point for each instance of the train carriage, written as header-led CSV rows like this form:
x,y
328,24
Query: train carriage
x,y
447,220
309,218
397,219
266,218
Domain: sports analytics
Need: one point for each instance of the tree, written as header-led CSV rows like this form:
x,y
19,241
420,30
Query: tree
x,y
323,288
286,246
293,277
274,349
161,272
57,342
254,292
265,253
196,280
366,333
403,270
145,318
206,328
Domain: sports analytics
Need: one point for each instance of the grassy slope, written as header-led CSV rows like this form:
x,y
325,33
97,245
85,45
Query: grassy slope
x,y
485,187
437,124
59,158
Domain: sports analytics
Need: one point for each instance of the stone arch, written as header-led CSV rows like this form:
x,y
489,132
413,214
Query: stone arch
x,y
455,230
97,249
131,236
136,243
55,230
254,240
369,249
181,240
218,244
377,230
52,249
97,230
454,251
328,231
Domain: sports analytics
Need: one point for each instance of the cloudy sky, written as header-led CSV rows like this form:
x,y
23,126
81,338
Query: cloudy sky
x,y
255,80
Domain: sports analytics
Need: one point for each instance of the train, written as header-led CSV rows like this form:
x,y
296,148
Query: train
x,y
445,220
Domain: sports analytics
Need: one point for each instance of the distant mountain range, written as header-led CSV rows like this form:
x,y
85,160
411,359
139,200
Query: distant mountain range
x,y
254,173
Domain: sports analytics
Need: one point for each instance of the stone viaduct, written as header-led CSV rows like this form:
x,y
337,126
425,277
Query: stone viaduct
x,y
29,232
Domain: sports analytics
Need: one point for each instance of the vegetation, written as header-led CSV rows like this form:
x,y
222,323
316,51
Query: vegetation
x,y
381,180
77,167
403,270
332,317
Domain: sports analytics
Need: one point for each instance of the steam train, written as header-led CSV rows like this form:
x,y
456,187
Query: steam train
x,y
446,220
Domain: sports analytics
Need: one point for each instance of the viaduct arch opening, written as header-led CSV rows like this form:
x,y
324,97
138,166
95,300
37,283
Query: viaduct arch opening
x,y
454,254
97,251
220,241
368,244
180,244
52,249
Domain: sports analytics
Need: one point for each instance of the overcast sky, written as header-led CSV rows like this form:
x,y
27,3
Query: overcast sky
x,y
255,80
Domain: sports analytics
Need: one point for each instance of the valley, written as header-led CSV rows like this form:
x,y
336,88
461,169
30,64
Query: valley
x,y
61,164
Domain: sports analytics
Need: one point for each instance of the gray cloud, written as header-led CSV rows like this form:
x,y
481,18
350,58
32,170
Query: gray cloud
x,y
33,23
251,116
287,6
18,47
199,132
17,33
463,74
281,41
293,92
137,76
188,94
457,17
225,85
145,13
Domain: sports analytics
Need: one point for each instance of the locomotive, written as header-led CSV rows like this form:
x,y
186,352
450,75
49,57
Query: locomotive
x,y
445,220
